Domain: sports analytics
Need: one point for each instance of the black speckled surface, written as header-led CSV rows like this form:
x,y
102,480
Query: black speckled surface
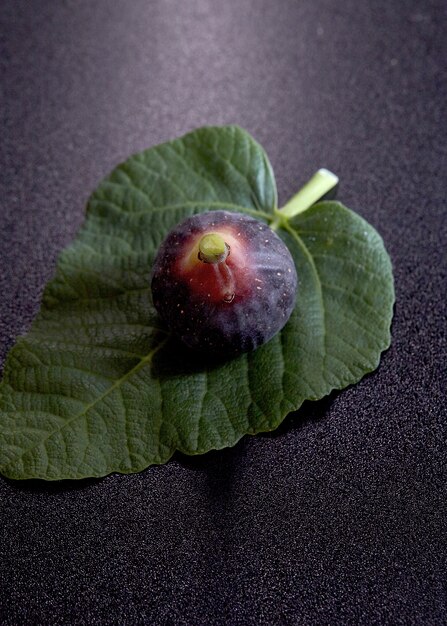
x,y
340,516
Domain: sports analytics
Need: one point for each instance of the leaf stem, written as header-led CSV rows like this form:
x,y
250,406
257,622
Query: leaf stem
x,y
318,186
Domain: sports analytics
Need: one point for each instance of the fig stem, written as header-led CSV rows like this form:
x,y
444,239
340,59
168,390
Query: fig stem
x,y
318,186
213,249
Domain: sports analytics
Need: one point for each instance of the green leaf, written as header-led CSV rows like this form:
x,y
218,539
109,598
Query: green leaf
x,y
98,385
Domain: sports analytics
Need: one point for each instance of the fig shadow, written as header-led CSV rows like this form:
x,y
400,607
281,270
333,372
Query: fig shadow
x,y
176,359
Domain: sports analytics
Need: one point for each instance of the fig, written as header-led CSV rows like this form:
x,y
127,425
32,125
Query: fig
x,y
224,282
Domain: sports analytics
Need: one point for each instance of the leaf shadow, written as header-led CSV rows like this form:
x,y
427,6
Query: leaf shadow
x,y
36,485
224,470
220,466
310,411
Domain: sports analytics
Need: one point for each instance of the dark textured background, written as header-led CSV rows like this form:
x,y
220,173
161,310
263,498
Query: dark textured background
x,y
340,516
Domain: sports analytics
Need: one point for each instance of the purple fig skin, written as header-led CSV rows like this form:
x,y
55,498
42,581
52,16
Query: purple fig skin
x,y
228,307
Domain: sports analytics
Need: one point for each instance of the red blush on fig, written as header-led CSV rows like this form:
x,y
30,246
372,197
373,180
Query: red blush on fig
x,y
213,265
